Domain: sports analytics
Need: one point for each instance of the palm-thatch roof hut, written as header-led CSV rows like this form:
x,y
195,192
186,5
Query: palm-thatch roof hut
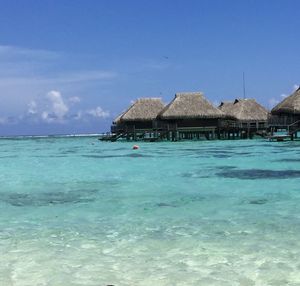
x,y
144,109
190,115
286,114
246,110
290,105
138,119
190,105
117,120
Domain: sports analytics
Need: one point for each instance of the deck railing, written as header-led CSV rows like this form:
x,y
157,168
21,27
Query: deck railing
x,y
243,124
275,120
294,127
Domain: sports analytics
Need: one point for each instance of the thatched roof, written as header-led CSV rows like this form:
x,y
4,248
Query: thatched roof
x,y
117,120
245,110
190,105
290,104
144,109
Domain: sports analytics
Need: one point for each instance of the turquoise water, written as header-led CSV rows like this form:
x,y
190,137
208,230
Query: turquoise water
x,y
76,211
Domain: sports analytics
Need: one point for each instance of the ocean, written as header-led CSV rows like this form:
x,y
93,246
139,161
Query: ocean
x,y
77,211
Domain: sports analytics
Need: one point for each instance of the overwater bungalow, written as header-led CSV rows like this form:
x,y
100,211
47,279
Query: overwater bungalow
x,y
139,120
190,116
286,114
249,117
117,125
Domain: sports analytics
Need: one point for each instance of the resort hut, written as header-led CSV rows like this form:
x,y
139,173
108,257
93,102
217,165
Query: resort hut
x,y
286,115
117,125
140,117
247,112
249,118
288,111
190,115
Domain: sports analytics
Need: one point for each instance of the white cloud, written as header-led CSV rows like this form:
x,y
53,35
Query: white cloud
x,y
63,78
12,52
283,95
74,99
32,72
295,87
32,107
58,108
98,112
54,108
45,115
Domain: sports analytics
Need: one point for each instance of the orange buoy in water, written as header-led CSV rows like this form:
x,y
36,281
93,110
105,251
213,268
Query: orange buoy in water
x,y
135,147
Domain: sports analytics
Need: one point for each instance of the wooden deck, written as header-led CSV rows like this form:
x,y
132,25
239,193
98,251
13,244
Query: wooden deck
x,y
280,138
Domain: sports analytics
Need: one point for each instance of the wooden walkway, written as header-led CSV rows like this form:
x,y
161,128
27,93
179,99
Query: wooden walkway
x,y
280,138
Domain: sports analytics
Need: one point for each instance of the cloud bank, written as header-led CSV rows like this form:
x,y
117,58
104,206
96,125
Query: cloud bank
x,y
41,88
54,108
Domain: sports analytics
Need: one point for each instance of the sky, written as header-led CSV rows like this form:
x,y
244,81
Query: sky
x,y
69,67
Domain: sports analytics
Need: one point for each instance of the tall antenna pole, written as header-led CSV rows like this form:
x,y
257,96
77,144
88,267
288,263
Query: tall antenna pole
x,y
244,87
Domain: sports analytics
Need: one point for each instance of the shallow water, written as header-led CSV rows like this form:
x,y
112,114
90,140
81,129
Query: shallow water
x,y
76,211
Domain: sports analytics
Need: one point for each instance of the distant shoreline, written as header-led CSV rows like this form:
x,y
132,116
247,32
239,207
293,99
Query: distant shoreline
x,y
51,136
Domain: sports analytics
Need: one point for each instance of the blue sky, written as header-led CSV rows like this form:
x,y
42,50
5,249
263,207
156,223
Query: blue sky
x,y
72,66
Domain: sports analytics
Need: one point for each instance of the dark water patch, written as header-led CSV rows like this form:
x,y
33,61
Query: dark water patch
x,y
225,167
69,152
9,156
250,174
133,155
222,156
48,198
292,160
278,151
258,201
244,153
166,205
49,156
218,151
136,155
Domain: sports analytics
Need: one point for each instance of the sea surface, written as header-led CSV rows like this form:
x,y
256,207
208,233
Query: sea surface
x,y
77,211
